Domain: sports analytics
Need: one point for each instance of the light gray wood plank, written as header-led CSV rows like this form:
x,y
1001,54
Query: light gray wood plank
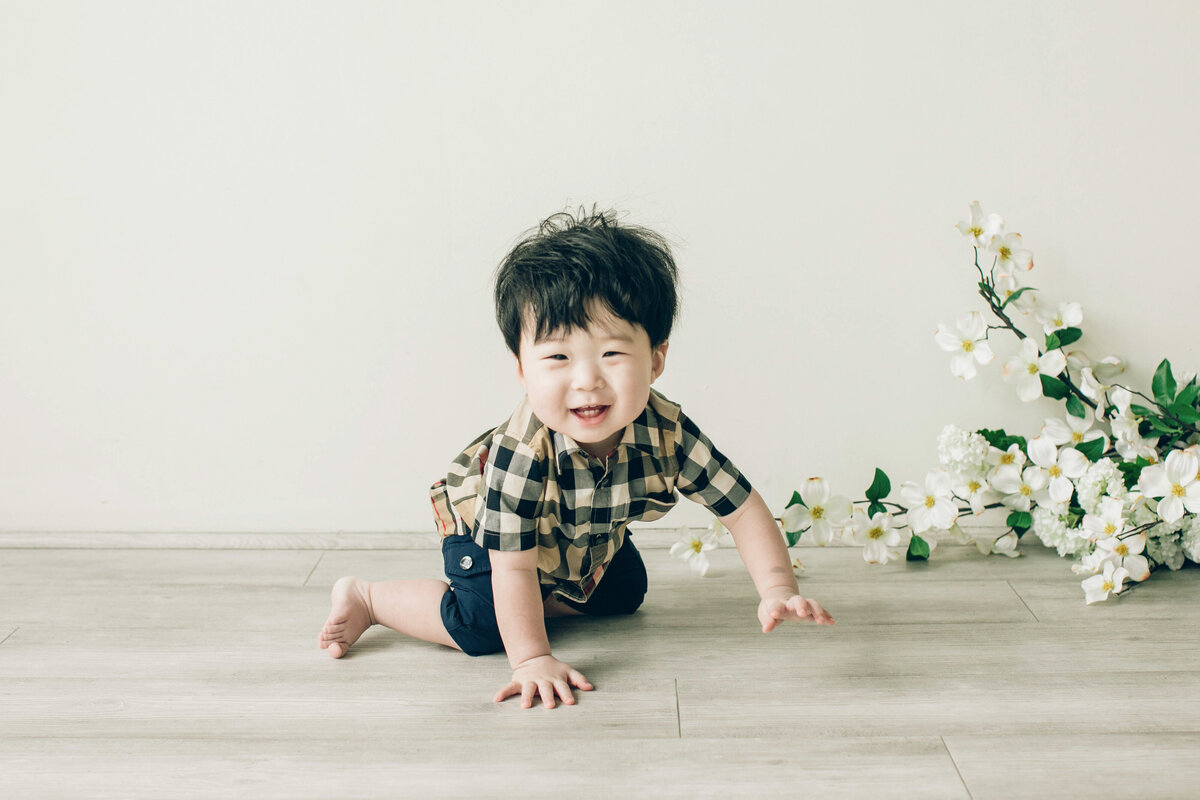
x,y
377,565
348,707
1134,765
941,703
420,765
1165,595
156,567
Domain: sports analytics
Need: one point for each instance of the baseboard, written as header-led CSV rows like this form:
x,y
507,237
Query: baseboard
x,y
646,538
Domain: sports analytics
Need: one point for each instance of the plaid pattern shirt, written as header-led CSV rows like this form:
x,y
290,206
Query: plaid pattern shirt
x,y
522,486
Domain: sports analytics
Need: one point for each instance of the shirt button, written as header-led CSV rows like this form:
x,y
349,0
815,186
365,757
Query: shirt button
x,y
466,562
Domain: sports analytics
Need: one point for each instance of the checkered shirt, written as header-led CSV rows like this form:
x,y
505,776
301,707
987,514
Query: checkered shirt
x,y
523,485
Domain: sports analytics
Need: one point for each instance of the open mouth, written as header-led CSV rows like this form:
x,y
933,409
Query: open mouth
x,y
590,413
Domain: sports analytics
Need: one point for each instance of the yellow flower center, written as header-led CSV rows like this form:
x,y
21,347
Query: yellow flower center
x,y
1076,437
1121,550
1033,369
817,512
974,486
1007,458
697,545
1108,586
968,345
1025,490
1109,528
976,231
1005,253
1177,490
1058,323
930,501
876,532
1055,471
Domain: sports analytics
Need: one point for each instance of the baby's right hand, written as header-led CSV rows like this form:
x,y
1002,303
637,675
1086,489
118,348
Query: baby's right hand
x,y
545,676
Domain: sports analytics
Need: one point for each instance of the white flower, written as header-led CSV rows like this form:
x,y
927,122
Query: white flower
x,y
1074,430
1061,467
1005,545
693,547
1175,482
1012,457
1094,376
976,492
1007,285
720,532
1066,315
1164,549
1050,525
820,511
797,566
1126,552
1109,522
1010,256
969,344
1026,368
876,535
981,230
1019,486
1101,479
1189,539
1097,587
932,507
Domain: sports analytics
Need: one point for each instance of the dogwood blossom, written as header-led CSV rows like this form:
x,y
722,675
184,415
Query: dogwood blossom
x,y
1019,486
692,547
981,229
1175,482
976,492
876,535
968,343
1004,545
1007,285
823,513
1027,366
931,507
1127,552
1065,315
1009,253
1095,376
1012,457
1074,430
1097,587
1109,522
1062,466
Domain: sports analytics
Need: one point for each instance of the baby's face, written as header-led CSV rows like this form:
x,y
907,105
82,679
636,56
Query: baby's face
x,y
590,384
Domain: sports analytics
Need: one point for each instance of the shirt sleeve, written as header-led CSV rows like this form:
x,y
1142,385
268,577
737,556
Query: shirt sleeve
x,y
705,475
515,481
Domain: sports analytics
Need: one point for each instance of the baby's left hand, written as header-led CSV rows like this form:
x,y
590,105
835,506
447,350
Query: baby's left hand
x,y
773,610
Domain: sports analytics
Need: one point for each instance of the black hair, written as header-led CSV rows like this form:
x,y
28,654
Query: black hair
x,y
568,262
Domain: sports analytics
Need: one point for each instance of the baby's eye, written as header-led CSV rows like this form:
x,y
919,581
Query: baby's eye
x,y
613,353
557,357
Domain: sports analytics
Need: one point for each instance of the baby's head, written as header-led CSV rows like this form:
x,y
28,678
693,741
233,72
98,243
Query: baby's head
x,y
586,306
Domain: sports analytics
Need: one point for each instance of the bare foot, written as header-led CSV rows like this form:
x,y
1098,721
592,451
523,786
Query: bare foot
x,y
349,616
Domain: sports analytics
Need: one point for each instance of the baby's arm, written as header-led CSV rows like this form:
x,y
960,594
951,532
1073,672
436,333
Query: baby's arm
x,y
521,619
761,548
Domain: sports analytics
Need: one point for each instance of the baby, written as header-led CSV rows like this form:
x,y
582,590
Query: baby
x,y
534,514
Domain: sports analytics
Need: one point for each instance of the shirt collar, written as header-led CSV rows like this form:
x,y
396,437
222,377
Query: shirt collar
x,y
643,435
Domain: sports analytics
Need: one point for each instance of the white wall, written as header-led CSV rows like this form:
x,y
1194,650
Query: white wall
x,y
245,247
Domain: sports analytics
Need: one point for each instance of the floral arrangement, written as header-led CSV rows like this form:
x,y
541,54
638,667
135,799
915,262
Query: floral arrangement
x,y
1114,482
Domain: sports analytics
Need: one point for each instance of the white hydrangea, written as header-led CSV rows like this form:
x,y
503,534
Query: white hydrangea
x,y
1190,537
962,453
1164,548
1102,478
1050,525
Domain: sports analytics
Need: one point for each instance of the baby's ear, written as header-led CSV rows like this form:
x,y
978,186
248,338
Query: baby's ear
x,y
658,361
520,372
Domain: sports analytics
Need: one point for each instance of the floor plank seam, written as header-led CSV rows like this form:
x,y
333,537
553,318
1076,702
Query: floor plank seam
x,y
14,630
957,771
678,721
1022,599
312,571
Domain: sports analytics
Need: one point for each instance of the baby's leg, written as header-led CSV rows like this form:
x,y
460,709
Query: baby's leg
x,y
412,607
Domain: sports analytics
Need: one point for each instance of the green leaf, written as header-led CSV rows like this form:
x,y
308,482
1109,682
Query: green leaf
x,y
1163,384
918,549
796,500
793,538
880,487
1142,411
1185,413
1068,336
1052,342
876,508
1163,428
1091,450
1132,470
1000,438
1020,520
1075,407
1187,397
1053,387
1015,295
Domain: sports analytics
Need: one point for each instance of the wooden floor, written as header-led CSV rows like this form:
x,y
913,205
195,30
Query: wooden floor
x,y
195,673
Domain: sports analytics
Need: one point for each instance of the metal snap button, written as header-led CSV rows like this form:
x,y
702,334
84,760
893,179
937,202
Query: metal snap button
x,y
466,562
